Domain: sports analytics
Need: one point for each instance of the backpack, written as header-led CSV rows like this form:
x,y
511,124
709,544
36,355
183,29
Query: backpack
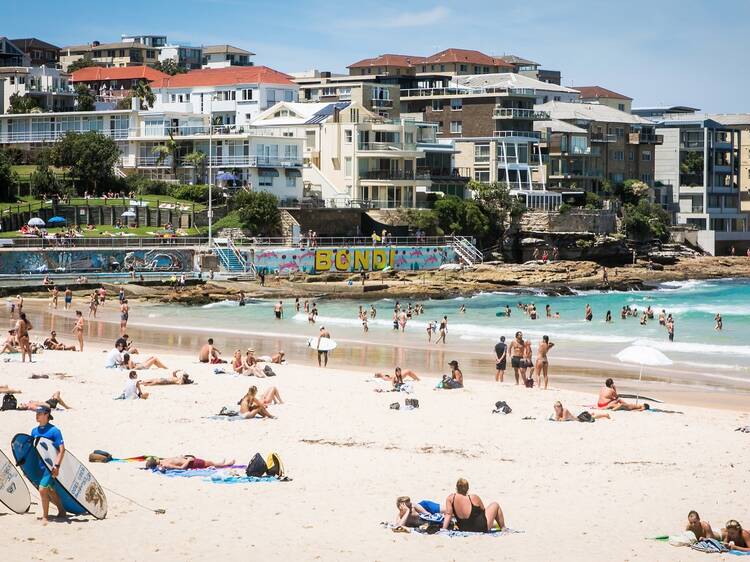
x,y
257,467
9,403
268,371
100,456
585,417
275,466
529,383
501,407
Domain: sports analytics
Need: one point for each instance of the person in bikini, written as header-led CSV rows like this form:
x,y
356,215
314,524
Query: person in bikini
x,y
128,363
470,513
735,537
252,406
542,363
562,414
609,399
176,378
701,529
10,345
399,373
52,403
185,462
22,334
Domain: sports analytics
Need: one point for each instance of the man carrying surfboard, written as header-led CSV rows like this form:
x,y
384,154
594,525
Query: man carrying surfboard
x,y
46,489
323,352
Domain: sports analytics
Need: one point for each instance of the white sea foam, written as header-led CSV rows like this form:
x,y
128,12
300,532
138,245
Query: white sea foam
x,y
221,304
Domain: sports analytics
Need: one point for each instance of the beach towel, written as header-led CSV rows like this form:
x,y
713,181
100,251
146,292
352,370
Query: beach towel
x,y
427,530
228,475
709,545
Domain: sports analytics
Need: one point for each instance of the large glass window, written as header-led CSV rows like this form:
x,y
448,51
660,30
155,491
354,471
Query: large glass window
x,y
481,153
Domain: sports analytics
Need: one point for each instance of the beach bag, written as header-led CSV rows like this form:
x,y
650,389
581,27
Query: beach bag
x,y
100,456
275,466
268,371
585,417
395,406
529,382
257,467
501,407
9,403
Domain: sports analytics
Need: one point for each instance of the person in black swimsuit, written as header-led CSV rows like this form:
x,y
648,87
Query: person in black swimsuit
x,y
469,511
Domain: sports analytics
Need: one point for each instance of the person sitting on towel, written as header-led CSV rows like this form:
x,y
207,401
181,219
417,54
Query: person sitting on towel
x,y
610,400
252,406
209,354
470,513
185,462
408,513
701,529
735,537
562,414
399,373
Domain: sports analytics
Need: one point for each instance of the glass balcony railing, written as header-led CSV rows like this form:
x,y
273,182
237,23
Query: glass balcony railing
x,y
517,113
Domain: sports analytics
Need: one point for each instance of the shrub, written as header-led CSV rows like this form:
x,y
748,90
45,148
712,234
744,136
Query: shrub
x,y
583,243
231,220
146,186
564,208
197,193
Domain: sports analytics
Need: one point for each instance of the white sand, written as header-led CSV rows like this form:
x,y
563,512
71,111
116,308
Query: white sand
x,y
578,491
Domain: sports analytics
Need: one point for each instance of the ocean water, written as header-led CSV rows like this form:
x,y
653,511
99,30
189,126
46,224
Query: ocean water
x,y
697,347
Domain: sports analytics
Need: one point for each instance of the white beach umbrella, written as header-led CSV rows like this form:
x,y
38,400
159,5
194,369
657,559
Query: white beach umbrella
x,y
128,214
643,355
36,221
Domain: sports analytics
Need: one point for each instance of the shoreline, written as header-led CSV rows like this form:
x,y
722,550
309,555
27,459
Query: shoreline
x,y
368,356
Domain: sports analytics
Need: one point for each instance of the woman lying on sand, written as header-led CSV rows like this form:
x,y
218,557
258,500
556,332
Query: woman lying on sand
x,y
408,513
174,379
128,363
701,529
53,402
469,511
185,462
562,414
399,374
251,406
735,537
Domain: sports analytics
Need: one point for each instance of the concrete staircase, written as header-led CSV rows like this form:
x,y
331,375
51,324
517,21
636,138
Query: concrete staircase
x,y
231,259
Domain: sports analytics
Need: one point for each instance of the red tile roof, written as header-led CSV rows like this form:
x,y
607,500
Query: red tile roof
x,y
595,92
389,60
97,73
466,56
225,76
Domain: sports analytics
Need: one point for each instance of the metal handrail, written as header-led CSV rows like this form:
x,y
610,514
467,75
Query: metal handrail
x,y
110,242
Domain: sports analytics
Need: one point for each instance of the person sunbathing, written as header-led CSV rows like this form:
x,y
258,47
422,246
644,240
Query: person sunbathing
x,y
174,379
10,344
408,513
185,462
735,537
53,403
610,400
701,529
562,414
278,358
469,510
252,406
128,363
52,343
399,373
238,364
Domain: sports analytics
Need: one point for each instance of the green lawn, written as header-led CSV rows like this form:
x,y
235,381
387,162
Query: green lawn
x,y
24,171
97,202
142,231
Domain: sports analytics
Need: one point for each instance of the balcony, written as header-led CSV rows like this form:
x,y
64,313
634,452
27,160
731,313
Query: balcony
x,y
52,136
387,175
443,174
645,138
412,93
381,103
529,135
603,137
385,146
515,113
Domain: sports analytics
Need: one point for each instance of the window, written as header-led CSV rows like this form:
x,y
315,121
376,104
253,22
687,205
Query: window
x,y
290,152
424,68
348,167
647,178
620,132
457,104
618,155
482,176
621,106
556,98
265,181
437,105
462,67
481,153
408,138
247,94
486,69
328,91
457,127
476,69
646,156
291,181
442,68
347,135
631,155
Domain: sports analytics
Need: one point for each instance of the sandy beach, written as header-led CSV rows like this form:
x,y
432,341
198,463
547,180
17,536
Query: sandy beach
x,y
574,490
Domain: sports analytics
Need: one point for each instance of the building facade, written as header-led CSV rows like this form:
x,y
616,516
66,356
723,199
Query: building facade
x,y
124,53
597,94
218,56
110,85
11,55
48,87
186,56
38,52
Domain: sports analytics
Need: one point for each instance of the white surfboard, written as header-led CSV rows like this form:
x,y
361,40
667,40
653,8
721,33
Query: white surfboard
x,y
326,344
14,493
75,478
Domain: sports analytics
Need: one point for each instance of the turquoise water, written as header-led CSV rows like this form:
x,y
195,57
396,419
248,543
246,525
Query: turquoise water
x,y
693,304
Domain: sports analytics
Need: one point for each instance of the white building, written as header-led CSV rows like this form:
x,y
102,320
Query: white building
x,y
233,95
185,56
48,87
544,91
219,56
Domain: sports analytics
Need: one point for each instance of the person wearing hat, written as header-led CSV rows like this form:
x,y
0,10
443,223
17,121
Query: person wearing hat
x,y
46,483
456,380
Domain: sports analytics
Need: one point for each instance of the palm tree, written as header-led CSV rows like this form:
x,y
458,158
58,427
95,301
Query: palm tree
x,y
163,151
195,159
142,90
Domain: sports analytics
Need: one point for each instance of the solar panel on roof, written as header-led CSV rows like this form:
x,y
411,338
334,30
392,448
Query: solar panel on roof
x,y
322,114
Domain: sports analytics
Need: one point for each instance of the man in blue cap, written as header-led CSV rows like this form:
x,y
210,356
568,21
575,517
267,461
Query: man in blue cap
x,y
46,484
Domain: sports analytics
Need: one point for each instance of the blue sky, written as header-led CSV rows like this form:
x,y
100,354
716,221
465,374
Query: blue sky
x,y
688,52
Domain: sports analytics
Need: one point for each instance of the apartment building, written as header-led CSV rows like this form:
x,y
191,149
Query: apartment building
x,y
38,52
260,160
618,146
152,41
48,87
11,55
355,157
532,69
112,84
371,92
603,96
217,56
232,95
186,56
124,53
452,62
701,160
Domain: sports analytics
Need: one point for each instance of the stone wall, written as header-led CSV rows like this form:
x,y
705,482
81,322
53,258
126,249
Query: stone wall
x,y
597,222
329,222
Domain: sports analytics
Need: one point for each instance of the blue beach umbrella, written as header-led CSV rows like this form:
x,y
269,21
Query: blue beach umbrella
x,y
56,220
226,176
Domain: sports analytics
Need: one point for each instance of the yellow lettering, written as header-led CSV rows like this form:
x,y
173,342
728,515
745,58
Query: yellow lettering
x,y
342,260
393,258
361,260
323,261
379,259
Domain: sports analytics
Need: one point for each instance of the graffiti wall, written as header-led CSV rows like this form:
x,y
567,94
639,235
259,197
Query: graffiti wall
x,y
352,259
91,261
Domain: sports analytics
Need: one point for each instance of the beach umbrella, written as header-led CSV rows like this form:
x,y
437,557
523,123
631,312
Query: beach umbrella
x,y
225,176
56,220
36,221
128,214
643,355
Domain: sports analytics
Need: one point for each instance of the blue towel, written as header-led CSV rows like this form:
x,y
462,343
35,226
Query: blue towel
x,y
431,506
493,533
227,475
739,553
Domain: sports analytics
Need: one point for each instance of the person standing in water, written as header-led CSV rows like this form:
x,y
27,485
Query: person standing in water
x,y
719,323
68,298
324,334
542,363
46,483
55,292
589,313
278,310
442,330
124,315
670,327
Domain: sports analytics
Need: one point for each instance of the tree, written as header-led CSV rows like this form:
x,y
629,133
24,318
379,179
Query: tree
x,y
169,66
258,211
84,100
43,180
91,157
22,104
164,151
646,220
8,179
143,92
500,208
196,160
82,63
449,211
